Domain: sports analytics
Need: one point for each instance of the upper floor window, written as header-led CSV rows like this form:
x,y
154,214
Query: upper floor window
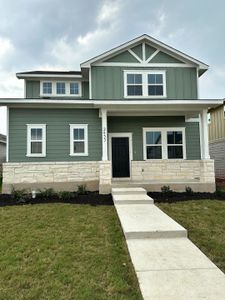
x,y
57,88
36,140
60,88
47,87
146,84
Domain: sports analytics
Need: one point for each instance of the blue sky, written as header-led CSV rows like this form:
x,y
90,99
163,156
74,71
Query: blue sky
x,y
59,35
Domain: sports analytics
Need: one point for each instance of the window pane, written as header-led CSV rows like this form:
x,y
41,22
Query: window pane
x,y
47,87
155,90
74,88
36,134
78,134
36,147
134,90
174,137
155,78
153,137
175,152
60,88
134,78
158,78
78,147
154,152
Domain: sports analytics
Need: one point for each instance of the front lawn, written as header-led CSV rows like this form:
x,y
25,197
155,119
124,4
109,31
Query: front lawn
x,y
205,222
64,251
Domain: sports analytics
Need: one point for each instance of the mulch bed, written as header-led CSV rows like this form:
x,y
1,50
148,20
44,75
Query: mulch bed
x,y
91,198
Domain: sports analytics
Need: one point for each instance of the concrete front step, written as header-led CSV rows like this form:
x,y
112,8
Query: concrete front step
x,y
147,221
132,199
130,191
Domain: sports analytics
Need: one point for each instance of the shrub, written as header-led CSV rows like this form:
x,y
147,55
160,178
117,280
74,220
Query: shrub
x,y
48,194
20,195
166,190
189,190
82,189
65,195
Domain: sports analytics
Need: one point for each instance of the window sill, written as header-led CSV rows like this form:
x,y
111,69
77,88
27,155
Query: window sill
x,y
79,154
145,97
35,155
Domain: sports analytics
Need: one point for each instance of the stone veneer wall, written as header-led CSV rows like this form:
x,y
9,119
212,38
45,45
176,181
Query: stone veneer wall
x,y
57,175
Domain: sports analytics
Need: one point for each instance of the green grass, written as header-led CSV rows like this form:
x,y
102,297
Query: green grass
x,y
63,251
205,222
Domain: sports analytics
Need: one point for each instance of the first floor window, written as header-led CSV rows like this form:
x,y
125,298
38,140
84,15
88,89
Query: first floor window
x,y
36,140
79,139
164,143
47,87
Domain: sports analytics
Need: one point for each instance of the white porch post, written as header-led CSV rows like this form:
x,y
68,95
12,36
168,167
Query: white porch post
x,y
204,134
104,135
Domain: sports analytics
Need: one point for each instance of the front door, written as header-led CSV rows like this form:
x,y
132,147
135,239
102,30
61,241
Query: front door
x,y
120,157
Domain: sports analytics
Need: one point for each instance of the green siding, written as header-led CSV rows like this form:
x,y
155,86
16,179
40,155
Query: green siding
x,y
137,50
149,50
107,82
57,132
162,57
123,57
136,124
33,90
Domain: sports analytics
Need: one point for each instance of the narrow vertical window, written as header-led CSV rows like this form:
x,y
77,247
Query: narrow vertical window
x,y
36,140
79,140
60,88
175,144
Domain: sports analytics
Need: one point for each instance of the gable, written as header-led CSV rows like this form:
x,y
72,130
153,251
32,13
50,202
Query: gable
x,y
122,57
162,57
138,50
149,50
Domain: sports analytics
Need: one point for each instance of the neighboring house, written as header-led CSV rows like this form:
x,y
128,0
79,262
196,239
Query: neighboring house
x,y
129,116
2,151
217,139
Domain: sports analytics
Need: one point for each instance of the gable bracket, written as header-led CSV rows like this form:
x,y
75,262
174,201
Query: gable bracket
x,y
135,55
153,55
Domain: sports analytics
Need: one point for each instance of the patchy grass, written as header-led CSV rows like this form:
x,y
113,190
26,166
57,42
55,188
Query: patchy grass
x,y
64,251
205,222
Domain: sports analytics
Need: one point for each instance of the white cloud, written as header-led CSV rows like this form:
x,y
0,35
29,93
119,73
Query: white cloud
x,y
6,49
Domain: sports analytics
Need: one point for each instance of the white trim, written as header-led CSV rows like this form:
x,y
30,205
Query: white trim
x,y
23,76
145,83
153,42
143,52
134,55
104,135
7,135
79,126
54,88
25,88
191,120
205,136
122,134
144,64
164,144
197,82
90,84
43,140
153,55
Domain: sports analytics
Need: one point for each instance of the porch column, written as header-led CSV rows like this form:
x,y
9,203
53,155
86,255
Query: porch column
x,y
204,134
104,135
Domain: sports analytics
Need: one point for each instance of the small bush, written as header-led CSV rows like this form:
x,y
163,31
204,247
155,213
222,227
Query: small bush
x,y
189,190
20,195
66,196
48,194
82,189
166,190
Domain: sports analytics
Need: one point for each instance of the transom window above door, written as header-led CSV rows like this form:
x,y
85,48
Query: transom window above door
x,y
164,143
145,84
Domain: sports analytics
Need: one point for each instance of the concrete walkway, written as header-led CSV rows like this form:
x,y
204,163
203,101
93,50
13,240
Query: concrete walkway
x,y
168,265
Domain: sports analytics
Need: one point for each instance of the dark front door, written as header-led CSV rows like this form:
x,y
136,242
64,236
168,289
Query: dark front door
x,y
120,157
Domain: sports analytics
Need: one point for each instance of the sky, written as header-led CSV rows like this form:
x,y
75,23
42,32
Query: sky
x,y
59,35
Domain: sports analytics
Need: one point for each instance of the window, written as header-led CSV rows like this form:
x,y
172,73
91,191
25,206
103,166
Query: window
x,y
36,140
134,84
60,88
164,143
79,140
74,88
146,84
47,88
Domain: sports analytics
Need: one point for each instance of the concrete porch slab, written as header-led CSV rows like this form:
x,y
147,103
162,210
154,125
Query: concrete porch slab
x,y
147,221
132,199
192,284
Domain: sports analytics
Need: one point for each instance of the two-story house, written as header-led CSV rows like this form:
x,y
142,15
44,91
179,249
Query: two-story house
x,y
130,116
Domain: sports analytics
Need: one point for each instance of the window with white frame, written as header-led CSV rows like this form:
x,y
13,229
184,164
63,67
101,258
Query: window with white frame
x,y
58,88
164,143
36,140
79,139
145,84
